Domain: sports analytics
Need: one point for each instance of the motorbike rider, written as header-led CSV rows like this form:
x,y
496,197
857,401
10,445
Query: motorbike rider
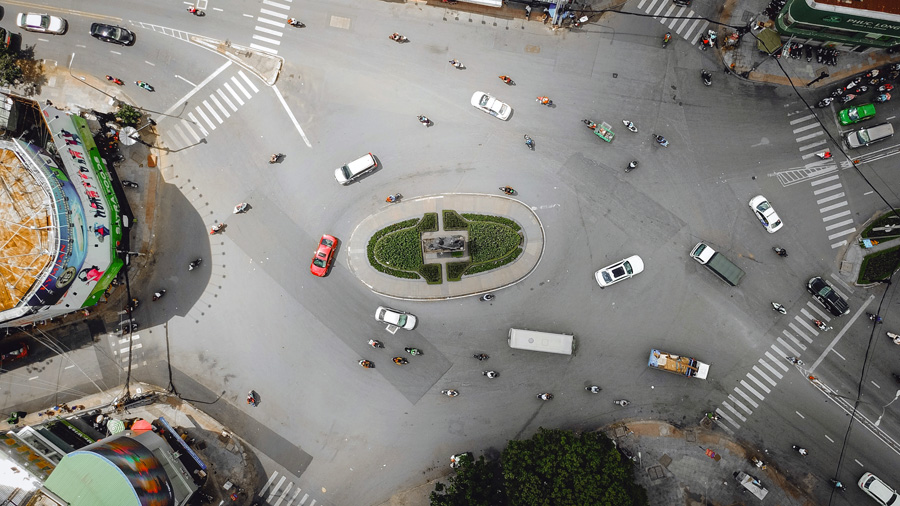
x,y
194,264
545,396
481,356
158,295
400,361
273,158
667,37
594,389
528,141
456,63
424,120
375,343
505,79
413,351
192,10
487,297
366,364
490,374
544,100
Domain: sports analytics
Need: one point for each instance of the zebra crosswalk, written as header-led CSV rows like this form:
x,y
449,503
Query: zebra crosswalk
x,y
773,366
277,497
271,22
690,28
211,111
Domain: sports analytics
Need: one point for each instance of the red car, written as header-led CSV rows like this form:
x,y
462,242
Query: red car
x,y
10,355
324,256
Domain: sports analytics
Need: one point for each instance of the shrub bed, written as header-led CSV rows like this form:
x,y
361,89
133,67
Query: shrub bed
x,y
428,223
453,221
496,219
370,250
879,266
431,273
488,241
401,250
887,219
455,270
493,264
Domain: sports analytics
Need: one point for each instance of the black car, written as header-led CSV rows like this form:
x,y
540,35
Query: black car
x,y
826,296
110,33
686,3
5,38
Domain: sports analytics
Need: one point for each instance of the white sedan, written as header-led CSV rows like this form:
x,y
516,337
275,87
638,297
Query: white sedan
x,y
618,271
491,105
765,214
44,23
396,318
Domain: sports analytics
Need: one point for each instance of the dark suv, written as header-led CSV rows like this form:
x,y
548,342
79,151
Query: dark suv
x,y
826,296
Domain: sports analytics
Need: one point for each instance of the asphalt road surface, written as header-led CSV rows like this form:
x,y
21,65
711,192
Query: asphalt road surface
x,y
252,316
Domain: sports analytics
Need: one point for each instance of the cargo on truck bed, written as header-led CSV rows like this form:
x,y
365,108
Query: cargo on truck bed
x,y
677,364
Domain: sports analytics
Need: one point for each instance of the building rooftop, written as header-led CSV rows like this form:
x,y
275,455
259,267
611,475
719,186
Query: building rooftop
x,y
885,6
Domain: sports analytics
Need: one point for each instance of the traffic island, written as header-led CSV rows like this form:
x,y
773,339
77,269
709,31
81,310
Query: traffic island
x,y
445,246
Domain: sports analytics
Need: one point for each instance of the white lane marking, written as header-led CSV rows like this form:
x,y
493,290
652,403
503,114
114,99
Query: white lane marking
x,y
264,49
274,14
267,40
787,346
759,383
275,488
823,180
810,136
804,118
752,390
220,106
746,398
270,31
293,119
225,98
841,224
740,404
827,189
842,233
248,81
800,333
212,111
835,206
233,93
266,487
831,197
773,371
728,406
238,84
205,117
180,102
764,375
805,127
197,124
835,216
284,494
190,130
839,244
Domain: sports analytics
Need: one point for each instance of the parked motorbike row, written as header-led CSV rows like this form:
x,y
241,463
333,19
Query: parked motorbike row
x,y
774,8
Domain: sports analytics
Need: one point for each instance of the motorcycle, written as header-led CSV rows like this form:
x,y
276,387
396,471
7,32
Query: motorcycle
x,y
458,64
398,38
508,190
481,356
708,40
847,98
621,402
545,396
296,23
544,101
801,451
825,102
216,228
400,361
393,198
115,80
413,351
666,38
780,251
486,297
794,360
885,87
631,166
778,307
594,389
707,77
837,484
375,343
424,121
253,398
490,374
507,80
196,12
129,184
661,140
144,85
884,97
875,318
590,124
628,124
838,92
194,264
822,325
275,157
894,337
366,364
853,82
158,295
241,208
529,142
824,155
450,393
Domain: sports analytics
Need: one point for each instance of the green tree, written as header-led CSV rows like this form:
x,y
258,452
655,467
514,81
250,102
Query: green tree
x,y
10,72
556,467
477,483
128,115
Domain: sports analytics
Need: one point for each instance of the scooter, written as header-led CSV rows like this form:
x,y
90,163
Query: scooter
x,y
707,78
544,101
458,64
507,80
621,402
847,98
529,142
129,184
824,155
275,157
780,251
631,166
366,364
875,318
894,337
393,198
486,297
158,295
778,307
196,12
216,228
590,124
822,325
296,23
886,87
144,85
253,398
241,208
376,344
801,451
794,360
666,38
661,140
400,361
481,356
545,396
115,80
594,389
424,121
825,102
413,351
490,374
628,124
508,190
450,393
884,97
398,38
194,264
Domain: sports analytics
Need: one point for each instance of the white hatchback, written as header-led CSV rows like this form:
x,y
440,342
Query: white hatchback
x,y
491,105
43,23
396,317
618,271
878,490
765,214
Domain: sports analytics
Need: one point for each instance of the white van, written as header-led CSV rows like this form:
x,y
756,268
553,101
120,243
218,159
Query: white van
x,y
354,169
564,344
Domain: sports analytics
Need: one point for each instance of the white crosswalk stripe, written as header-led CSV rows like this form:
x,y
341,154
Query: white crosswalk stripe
x,y
278,497
672,15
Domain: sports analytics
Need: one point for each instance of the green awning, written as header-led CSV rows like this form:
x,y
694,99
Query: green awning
x,y
768,41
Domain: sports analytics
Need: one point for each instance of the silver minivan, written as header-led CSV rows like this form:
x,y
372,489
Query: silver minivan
x,y
354,169
868,135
